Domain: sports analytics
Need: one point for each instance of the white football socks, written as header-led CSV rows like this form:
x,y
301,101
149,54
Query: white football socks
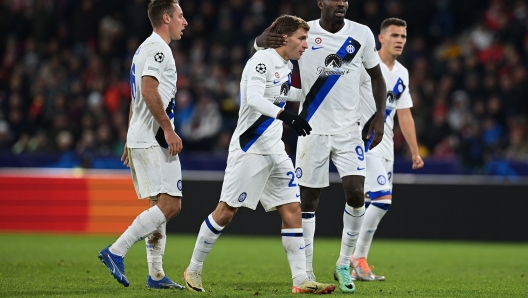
x,y
209,233
308,225
352,220
293,243
155,244
145,224
373,216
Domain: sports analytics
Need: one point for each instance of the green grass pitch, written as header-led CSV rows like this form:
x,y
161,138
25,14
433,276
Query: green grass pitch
x,y
67,266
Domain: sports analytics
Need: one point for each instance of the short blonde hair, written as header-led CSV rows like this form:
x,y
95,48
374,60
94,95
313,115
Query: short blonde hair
x,y
287,24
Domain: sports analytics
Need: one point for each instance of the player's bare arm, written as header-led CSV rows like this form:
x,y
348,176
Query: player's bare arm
x,y
124,157
379,90
406,121
149,87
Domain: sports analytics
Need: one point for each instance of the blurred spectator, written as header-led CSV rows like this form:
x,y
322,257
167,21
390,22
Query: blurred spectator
x,y
64,73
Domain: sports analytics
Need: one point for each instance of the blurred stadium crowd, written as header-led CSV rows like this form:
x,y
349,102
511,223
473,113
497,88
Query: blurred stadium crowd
x,y
64,72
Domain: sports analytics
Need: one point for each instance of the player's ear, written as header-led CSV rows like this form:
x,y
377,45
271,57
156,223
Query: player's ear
x,y
320,4
166,18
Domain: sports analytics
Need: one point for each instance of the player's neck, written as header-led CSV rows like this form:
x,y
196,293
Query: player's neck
x,y
387,58
330,27
164,34
282,52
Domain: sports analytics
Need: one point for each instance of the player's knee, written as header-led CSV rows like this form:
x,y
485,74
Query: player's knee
x,y
355,194
309,199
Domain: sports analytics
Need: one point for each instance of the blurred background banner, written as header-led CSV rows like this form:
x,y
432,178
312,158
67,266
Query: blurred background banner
x,y
65,64
104,202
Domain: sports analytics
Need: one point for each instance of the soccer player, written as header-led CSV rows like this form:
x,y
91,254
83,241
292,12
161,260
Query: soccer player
x,y
380,160
258,168
330,77
152,145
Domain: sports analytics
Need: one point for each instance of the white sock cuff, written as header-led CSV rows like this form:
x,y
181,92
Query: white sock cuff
x,y
211,223
356,212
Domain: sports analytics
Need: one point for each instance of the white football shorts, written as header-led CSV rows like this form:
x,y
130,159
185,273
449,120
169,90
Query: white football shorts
x,y
155,171
378,181
313,153
250,178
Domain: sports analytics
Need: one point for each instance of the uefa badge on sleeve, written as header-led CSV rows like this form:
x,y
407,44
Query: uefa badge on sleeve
x,y
159,57
261,68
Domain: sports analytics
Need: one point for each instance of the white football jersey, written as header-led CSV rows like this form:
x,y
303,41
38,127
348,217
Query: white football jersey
x,y
257,133
397,81
153,58
330,71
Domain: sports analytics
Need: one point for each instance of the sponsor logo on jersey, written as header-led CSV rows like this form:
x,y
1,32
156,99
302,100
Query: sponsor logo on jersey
x,y
390,96
153,69
159,57
333,63
242,197
316,48
261,68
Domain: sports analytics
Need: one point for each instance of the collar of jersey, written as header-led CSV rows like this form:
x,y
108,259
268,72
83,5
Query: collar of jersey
x,y
156,35
278,56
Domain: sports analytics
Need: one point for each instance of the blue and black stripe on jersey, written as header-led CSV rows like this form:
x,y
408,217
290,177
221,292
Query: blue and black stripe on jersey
x,y
160,136
250,136
395,94
396,89
325,83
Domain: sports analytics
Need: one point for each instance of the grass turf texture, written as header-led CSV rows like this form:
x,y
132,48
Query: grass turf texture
x,y
67,266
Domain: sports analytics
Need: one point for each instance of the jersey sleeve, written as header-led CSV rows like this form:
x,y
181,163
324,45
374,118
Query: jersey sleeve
x,y
156,60
405,100
259,70
370,54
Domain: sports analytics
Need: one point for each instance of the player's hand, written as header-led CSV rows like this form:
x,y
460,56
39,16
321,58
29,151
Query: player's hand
x,y
299,124
270,40
173,141
417,162
124,157
376,130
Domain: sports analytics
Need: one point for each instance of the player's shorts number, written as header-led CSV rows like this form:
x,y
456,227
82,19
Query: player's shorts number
x,y
360,153
292,178
389,174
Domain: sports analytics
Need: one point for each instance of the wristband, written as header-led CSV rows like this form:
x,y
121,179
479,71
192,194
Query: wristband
x,y
257,48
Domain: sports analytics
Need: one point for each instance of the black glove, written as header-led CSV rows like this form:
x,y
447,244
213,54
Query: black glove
x,y
301,126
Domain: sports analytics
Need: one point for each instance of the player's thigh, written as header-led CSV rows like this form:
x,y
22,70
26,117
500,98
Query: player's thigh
x,y
312,161
245,176
155,171
282,186
348,154
377,181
